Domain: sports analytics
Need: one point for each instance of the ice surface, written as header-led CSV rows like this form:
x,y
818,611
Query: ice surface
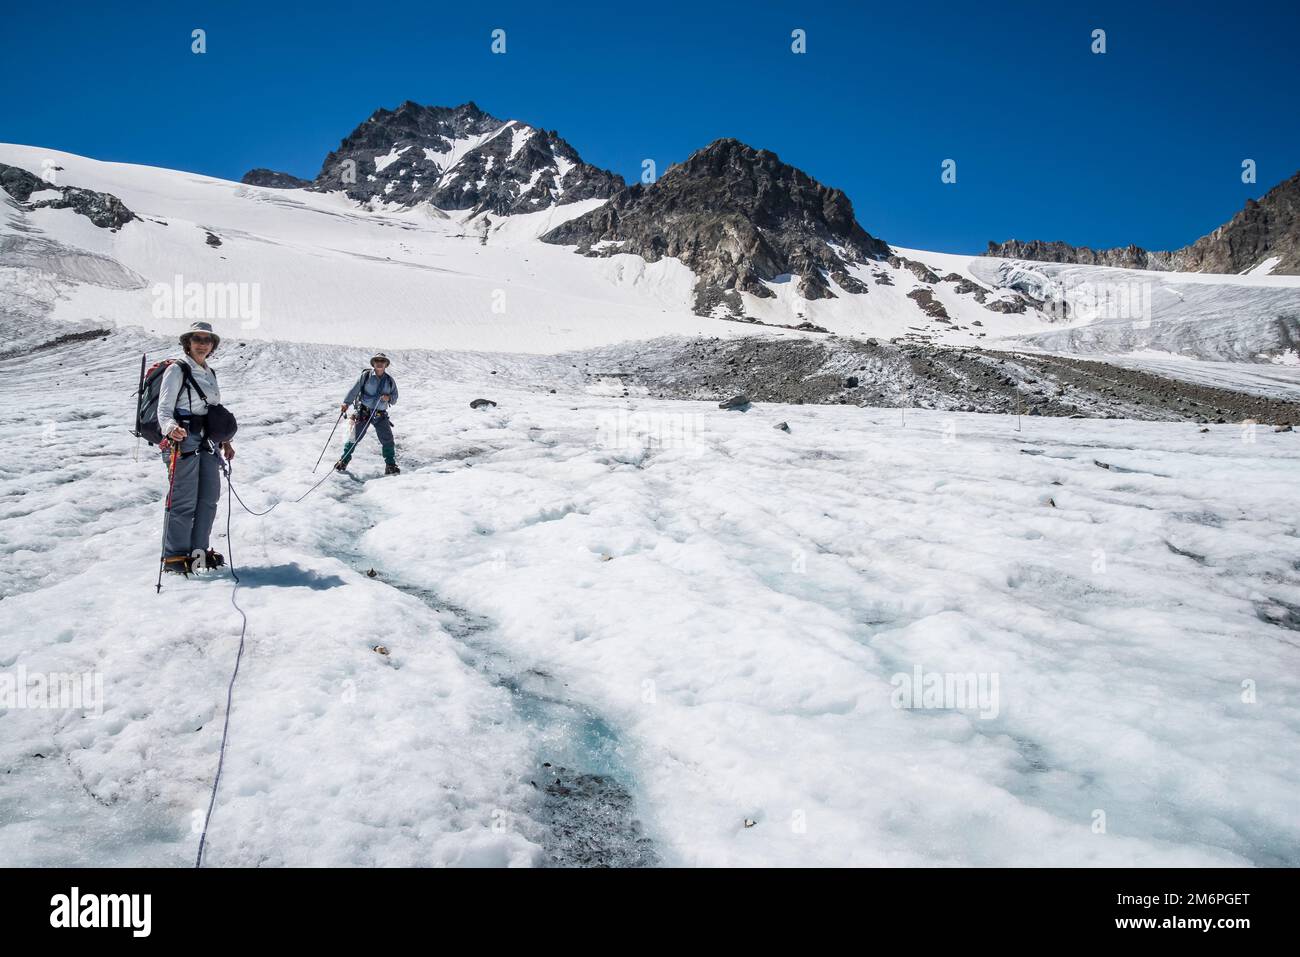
x,y
700,618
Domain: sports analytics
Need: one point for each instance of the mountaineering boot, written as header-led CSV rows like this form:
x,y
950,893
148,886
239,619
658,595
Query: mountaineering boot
x,y
341,465
215,559
390,468
177,565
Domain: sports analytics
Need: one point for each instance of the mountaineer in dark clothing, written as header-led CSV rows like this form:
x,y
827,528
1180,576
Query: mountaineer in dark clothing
x,y
373,392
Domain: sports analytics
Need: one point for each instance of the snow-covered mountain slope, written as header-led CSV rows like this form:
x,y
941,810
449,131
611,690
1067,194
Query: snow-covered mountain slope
x,y
699,622
299,265
321,269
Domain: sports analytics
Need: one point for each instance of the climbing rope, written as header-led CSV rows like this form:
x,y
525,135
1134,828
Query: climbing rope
x,y
243,629
239,656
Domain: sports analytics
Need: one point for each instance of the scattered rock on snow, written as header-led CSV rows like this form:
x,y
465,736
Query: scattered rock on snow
x,y
918,269
783,426
482,404
740,402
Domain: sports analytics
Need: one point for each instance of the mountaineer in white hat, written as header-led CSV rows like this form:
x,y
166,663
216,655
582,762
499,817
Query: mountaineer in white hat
x,y
193,424
373,392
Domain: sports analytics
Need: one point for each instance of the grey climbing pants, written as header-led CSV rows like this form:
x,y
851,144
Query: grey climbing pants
x,y
195,489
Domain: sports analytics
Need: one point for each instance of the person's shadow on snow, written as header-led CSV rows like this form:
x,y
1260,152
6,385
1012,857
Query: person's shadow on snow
x,y
286,576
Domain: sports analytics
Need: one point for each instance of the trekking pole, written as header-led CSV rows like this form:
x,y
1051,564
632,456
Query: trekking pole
x,y
139,392
328,441
167,513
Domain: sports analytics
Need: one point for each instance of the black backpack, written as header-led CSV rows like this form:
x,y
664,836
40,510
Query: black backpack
x,y
220,424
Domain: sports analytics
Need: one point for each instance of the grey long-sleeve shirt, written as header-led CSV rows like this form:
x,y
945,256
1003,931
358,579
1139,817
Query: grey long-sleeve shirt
x,y
375,386
173,396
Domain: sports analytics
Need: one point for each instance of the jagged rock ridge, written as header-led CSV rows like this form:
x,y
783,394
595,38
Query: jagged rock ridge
x,y
1264,229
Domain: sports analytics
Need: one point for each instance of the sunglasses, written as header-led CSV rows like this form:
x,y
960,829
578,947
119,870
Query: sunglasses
x,y
200,338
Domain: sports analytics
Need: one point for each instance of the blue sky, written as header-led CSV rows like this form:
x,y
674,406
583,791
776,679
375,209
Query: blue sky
x,y
1142,144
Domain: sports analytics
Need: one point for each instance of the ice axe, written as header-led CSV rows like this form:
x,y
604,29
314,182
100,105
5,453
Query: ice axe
x,y
167,511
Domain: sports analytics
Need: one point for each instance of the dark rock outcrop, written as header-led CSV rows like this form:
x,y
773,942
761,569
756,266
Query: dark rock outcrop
x,y
103,209
1265,228
964,286
932,307
1016,306
273,179
460,158
19,183
739,218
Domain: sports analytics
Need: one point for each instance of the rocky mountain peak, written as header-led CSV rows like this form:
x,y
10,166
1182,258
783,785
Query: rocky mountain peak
x,y
459,158
741,219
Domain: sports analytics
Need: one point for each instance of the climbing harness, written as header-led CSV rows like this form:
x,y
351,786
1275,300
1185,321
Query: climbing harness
x,y
370,415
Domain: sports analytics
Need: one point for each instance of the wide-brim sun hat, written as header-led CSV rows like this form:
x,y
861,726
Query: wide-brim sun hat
x,y
380,355
200,327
